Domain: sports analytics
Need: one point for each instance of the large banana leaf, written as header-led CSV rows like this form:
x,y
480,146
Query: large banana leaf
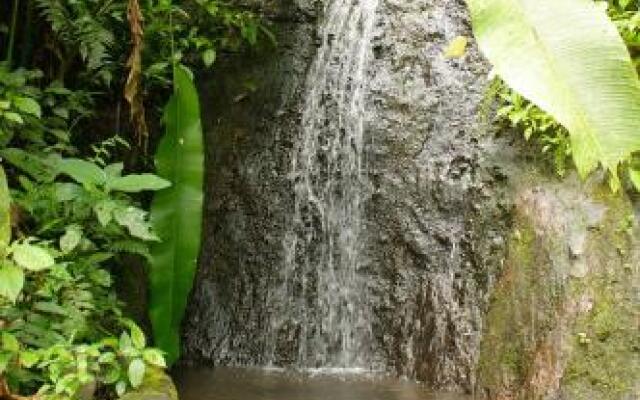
x,y
176,213
567,57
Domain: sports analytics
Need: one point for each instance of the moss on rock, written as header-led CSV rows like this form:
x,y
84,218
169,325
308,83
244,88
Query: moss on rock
x,y
564,317
157,385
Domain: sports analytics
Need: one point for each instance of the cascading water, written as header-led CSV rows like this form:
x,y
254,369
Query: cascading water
x,y
320,306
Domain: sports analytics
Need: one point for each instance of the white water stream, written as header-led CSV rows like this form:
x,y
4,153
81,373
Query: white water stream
x,y
321,306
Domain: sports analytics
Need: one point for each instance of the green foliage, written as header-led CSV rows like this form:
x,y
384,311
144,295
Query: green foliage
x,y
56,302
62,328
176,213
537,125
83,30
44,119
70,206
199,30
582,75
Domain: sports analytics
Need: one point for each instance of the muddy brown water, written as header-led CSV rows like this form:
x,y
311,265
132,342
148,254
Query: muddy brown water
x,y
260,384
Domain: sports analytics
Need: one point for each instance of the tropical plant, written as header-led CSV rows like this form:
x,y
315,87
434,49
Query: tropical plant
x,y
176,213
59,318
582,74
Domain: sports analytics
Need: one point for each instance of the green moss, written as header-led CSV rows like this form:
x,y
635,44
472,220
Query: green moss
x,y
541,320
521,306
157,385
605,359
607,363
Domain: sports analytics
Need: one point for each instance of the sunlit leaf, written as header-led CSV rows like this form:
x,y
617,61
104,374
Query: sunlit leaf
x,y
104,211
568,58
135,220
10,343
32,257
82,171
11,281
209,57
71,238
136,372
135,183
154,357
28,106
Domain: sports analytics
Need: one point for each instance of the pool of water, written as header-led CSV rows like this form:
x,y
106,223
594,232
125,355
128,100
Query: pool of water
x,y
261,384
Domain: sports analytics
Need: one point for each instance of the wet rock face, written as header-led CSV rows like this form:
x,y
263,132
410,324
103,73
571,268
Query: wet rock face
x,y
251,111
433,227
435,230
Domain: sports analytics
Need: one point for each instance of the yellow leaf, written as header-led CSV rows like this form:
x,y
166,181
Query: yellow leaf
x,y
457,48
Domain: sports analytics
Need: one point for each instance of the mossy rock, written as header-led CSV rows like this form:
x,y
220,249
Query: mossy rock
x,y
157,385
564,318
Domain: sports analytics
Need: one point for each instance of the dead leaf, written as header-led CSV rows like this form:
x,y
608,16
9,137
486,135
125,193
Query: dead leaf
x,y
133,87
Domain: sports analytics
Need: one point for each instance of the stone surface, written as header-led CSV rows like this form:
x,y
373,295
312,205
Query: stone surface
x,y
553,332
433,227
157,385
448,200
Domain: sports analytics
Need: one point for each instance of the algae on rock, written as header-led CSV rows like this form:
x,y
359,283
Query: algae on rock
x,y
563,321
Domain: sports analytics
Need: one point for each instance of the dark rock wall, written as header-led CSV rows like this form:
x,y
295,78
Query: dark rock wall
x,y
435,228
433,224
251,110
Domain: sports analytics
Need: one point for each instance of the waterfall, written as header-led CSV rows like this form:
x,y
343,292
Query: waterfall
x,y
320,308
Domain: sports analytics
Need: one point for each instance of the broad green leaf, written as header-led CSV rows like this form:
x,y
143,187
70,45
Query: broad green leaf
x,y
457,48
135,183
10,343
32,257
82,171
107,358
5,214
13,117
136,372
125,342
154,357
50,308
28,106
176,214
135,220
40,169
11,281
68,191
104,211
137,337
28,358
114,170
568,58
71,238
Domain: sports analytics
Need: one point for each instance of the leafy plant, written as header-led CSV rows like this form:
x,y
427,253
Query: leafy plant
x,y
58,313
536,124
42,120
176,213
582,74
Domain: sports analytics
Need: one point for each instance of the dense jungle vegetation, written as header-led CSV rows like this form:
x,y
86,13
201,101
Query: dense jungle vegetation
x,y
83,88
102,159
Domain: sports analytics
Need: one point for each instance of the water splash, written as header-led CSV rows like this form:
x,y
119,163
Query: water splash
x,y
320,309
